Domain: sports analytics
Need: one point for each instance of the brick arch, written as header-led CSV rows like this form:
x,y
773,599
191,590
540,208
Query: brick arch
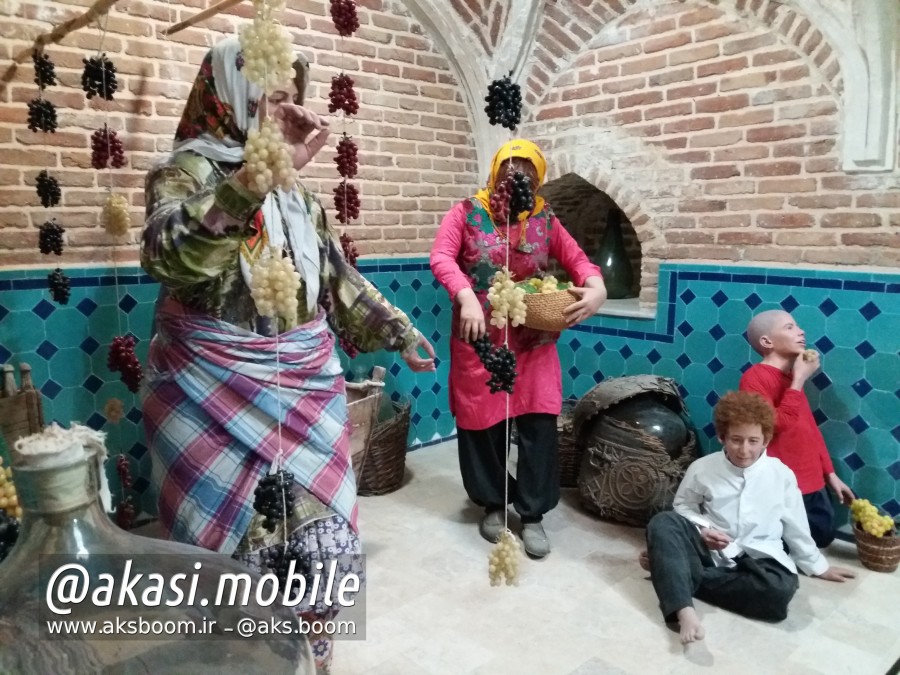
x,y
648,223
485,18
571,27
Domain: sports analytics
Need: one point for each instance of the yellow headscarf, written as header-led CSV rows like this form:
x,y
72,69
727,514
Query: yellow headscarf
x,y
524,149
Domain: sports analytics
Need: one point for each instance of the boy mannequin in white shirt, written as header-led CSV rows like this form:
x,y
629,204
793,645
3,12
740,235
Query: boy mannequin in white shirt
x,y
723,542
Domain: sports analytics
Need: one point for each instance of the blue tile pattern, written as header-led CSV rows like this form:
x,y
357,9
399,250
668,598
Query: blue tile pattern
x,y
853,319
697,338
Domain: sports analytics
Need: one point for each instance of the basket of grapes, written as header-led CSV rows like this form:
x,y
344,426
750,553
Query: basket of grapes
x,y
876,536
545,301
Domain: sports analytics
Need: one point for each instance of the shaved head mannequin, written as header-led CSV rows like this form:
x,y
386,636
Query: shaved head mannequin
x,y
762,325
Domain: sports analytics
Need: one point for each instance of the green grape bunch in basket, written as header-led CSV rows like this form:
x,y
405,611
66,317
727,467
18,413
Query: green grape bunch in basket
x,y
870,520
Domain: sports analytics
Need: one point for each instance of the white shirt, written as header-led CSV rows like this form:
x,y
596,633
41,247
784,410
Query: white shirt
x,y
757,507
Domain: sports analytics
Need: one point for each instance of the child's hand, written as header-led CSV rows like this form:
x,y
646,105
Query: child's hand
x,y
838,574
841,490
804,369
714,539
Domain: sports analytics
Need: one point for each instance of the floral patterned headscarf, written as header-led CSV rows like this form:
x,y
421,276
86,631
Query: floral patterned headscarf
x,y
221,107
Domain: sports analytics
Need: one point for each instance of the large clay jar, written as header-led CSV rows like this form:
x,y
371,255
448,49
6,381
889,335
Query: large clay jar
x,y
637,446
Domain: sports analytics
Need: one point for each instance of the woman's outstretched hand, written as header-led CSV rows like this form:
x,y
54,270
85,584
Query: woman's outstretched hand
x,y
589,300
415,362
305,131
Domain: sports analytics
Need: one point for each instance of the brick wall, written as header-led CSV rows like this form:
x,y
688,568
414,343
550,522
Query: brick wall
x,y
484,18
416,156
715,130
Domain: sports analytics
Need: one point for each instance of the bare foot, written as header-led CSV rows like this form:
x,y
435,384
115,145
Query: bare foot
x,y
644,561
691,629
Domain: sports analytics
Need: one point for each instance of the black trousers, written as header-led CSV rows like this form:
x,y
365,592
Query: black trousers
x,y
681,568
482,461
820,514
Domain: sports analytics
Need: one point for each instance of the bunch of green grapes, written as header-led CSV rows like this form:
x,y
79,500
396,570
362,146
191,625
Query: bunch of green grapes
x,y
9,500
503,563
507,300
866,514
274,284
548,284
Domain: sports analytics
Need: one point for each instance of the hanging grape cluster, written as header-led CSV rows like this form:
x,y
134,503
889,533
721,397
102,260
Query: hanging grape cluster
x,y
41,112
274,285
48,189
99,77
346,158
268,56
344,17
342,95
9,533
504,103
507,300
522,198
274,498
503,562
125,512
122,359
50,238
42,115
346,202
106,149
269,160
500,363
114,410
350,251
59,286
114,217
278,560
499,201
44,70
9,498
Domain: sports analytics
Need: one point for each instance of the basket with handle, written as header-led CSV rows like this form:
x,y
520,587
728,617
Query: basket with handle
x,y
544,311
363,402
880,554
385,463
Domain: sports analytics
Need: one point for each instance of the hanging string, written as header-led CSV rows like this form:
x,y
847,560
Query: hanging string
x,y
506,344
102,28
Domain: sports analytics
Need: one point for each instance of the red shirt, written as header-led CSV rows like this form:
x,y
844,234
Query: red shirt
x,y
797,441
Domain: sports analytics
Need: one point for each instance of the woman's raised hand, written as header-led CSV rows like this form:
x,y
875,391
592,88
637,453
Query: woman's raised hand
x,y
305,131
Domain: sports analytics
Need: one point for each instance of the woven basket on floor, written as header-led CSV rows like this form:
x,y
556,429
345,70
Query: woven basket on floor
x,y
880,554
544,311
385,462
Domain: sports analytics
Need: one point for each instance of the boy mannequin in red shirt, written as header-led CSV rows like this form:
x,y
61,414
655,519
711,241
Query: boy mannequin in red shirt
x,y
779,378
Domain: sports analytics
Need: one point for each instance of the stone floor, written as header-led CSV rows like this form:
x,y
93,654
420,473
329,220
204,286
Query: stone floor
x,y
587,609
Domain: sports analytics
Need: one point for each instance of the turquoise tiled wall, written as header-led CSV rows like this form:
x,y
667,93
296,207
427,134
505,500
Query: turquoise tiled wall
x,y
696,338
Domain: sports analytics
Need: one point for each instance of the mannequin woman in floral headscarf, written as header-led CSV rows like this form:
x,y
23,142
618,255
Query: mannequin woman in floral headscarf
x,y
216,389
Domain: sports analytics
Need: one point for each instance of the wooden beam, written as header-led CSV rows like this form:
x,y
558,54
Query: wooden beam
x,y
217,8
95,11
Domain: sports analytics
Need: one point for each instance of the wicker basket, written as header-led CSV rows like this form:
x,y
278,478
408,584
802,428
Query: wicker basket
x,y
544,311
385,462
880,554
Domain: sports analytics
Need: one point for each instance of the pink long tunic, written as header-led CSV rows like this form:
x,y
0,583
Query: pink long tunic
x,y
466,253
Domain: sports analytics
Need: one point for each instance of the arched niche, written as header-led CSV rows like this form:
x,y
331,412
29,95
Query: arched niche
x,y
585,211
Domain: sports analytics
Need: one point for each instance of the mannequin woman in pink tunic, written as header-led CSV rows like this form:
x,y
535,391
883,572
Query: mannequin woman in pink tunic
x,y
469,248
